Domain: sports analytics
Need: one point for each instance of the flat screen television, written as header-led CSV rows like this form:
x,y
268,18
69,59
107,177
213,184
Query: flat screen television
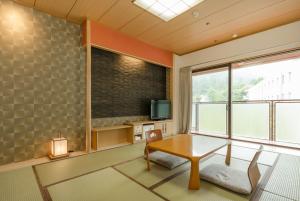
x,y
160,109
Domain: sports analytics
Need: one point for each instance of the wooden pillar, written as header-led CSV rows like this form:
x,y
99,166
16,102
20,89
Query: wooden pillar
x,y
88,107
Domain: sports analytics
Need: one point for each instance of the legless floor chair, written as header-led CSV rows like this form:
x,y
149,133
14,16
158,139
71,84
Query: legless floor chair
x,y
164,159
243,182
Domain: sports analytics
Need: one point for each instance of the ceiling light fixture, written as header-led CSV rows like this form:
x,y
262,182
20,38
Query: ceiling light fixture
x,y
195,14
166,9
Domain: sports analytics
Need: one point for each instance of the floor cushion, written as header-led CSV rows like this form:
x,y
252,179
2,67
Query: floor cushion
x,y
230,178
167,160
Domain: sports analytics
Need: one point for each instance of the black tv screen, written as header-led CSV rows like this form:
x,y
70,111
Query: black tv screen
x,y
160,109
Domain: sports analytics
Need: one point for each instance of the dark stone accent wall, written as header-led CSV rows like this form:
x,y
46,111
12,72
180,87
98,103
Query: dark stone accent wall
x,y
123,85
42,83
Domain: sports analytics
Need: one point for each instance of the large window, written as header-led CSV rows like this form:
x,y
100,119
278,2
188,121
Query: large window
x,y
265,99
210,95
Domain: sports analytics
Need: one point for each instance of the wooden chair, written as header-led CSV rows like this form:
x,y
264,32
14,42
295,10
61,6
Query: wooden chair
x,y
164,159
233,179
253,171
151,136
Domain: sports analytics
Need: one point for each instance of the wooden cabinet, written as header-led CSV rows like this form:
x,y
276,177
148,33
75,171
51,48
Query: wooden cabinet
x,y
166,127
161,126
138,132
114,136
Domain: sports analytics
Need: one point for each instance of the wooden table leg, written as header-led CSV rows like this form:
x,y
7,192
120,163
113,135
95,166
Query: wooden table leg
x,y
194,183
228,155
147,155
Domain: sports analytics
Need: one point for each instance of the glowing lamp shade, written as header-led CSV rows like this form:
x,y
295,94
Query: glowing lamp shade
x,y
59,148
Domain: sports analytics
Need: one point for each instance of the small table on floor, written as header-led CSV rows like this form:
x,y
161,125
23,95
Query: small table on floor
x,y
192,147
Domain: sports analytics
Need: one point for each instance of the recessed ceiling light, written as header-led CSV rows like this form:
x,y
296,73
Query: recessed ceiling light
x,y
157,8
234,35
195,14
145,3
167,9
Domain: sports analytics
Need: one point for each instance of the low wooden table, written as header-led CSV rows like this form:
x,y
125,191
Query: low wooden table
x,y
191,147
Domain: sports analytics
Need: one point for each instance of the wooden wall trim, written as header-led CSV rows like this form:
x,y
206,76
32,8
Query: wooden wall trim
x,y
88,109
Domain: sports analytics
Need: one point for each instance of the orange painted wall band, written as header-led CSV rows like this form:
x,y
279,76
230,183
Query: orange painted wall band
x,y
102,36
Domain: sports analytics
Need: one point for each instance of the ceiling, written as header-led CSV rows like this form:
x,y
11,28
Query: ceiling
x,y
216,22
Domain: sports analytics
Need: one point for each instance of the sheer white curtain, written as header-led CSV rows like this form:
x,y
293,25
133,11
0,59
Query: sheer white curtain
x,y
185,100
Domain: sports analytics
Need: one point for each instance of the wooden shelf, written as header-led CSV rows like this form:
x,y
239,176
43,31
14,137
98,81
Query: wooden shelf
x,y
111,136
111,128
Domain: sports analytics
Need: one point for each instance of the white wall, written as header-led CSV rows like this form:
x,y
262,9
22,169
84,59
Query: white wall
x,y
274,40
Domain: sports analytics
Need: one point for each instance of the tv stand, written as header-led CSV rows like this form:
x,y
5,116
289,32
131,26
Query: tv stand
x,y
132,132
166,126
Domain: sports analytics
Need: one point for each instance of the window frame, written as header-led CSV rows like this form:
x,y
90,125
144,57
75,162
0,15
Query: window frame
x,y
267,58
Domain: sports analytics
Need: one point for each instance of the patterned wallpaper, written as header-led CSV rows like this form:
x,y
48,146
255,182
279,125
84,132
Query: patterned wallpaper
x,y
111,121
41,82
123,85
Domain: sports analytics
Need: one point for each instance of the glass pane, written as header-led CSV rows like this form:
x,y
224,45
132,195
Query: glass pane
x,y
276,80
210,87
250,120
287,122
194,117
212,118
210,95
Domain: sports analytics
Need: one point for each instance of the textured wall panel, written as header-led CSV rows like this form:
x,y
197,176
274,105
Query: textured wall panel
x,y
41,82
124,86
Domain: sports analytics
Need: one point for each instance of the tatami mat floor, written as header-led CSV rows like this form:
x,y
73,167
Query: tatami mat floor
x,y
51,173
107,184
285,180
19,185
120,174
176,189
267,196
136,170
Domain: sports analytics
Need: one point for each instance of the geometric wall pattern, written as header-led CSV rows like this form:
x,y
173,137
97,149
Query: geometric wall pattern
x,y
42,82
111,121
123,85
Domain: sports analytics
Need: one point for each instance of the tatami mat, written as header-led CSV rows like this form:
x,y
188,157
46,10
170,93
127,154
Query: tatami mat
x,y
106,184
285,179
244,153
57,171
78,179
267,196
177,188
19,185
137,170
